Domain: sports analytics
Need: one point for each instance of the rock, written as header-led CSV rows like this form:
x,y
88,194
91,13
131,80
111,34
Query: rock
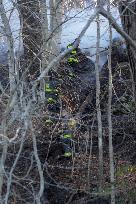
x,y
75,80
119,52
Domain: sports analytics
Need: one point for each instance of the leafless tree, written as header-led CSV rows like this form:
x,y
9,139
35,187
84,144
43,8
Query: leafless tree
x,y
10,41
98,105
128,16
39,58
111,154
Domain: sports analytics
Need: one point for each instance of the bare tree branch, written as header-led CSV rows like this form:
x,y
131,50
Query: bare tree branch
x,y
111,19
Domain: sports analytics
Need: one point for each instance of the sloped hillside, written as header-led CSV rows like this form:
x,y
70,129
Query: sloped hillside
x,y
65,127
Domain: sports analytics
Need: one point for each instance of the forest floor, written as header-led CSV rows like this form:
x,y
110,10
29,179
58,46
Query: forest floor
x,y
74,180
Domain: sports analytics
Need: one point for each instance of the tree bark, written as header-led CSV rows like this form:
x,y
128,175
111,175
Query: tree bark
x,y
128,17
100,142
45,53
32,36
55,28
111,153
10,42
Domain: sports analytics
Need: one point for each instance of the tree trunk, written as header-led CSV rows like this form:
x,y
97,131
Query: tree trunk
x,y
111,153
100,139
55,27
128,17
44,28
10,42
32,35
45,53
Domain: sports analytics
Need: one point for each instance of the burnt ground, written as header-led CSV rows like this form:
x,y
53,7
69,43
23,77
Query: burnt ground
x,y
74,180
